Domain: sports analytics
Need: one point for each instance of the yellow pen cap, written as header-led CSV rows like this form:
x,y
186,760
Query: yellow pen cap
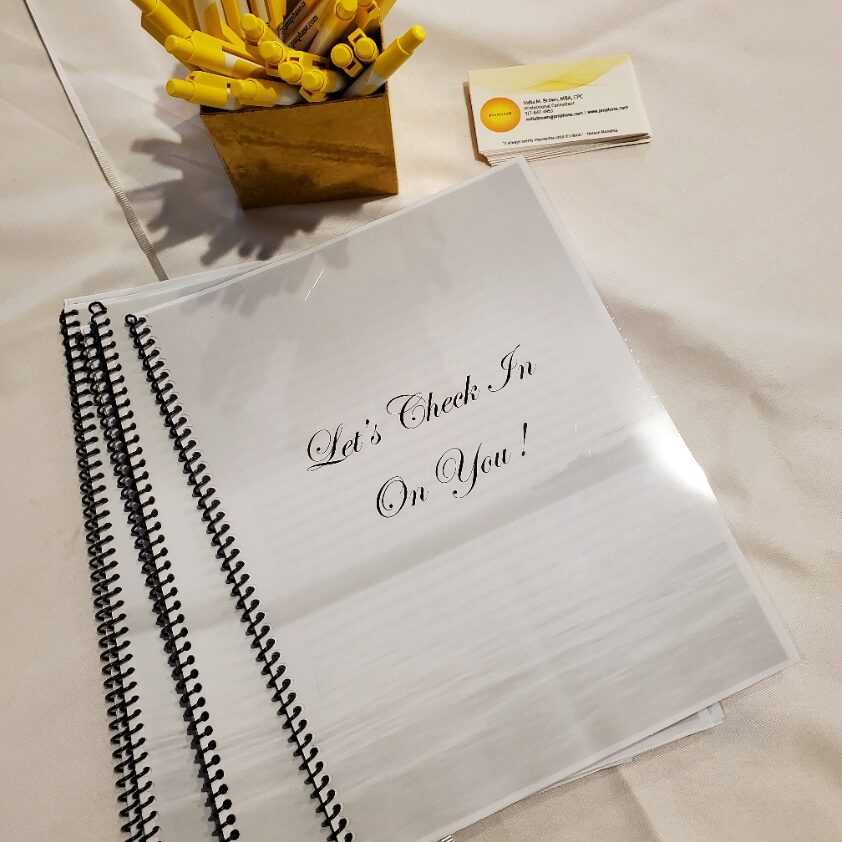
x,y
291,72
317,81
314,80
342,55
253,27
180,89
388,62
243,88
346,9
366,49
399,51
208,54
272,52
202,94
181,48
257,31
412,38
264,93
385,7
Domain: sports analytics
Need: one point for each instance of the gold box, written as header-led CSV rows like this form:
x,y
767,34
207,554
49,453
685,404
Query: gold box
x,y
311,152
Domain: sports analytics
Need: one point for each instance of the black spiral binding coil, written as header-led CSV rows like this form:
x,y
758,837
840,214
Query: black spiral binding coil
x,y
120,433
247,604
138,803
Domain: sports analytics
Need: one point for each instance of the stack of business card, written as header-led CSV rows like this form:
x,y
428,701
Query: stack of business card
x,y
544,110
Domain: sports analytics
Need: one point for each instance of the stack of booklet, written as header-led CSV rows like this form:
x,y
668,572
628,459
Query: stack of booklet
x,y
389,535
545,110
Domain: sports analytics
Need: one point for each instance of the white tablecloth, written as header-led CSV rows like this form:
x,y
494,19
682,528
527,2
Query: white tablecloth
x,y
716,248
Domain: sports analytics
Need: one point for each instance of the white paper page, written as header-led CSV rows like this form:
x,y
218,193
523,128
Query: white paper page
x,y
710,717
474,648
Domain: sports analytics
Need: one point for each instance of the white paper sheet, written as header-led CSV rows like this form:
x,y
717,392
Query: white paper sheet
x,y
480,645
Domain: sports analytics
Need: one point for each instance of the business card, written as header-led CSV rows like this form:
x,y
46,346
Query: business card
x,y
533,108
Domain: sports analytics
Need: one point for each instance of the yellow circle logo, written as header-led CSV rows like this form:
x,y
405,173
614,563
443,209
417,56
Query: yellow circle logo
x,y
500,114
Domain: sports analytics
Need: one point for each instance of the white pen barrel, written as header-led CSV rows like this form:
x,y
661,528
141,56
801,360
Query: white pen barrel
x,y
366,83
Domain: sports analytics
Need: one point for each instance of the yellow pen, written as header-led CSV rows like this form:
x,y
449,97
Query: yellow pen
x,y
204,89
292,72
277,12
318,85
213,22
264,93
161,18
211,56
211,17
343,57
231,44
365,48
369,16
395,55
303,36
275,54
272,11
186,11
333,25
154,30
257,31
234,10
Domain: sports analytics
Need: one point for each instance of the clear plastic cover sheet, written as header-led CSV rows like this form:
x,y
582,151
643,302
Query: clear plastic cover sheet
x,y
504,633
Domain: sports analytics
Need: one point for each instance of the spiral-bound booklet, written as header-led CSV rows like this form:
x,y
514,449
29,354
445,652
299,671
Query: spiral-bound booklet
x,y
408,532
160,789
162,793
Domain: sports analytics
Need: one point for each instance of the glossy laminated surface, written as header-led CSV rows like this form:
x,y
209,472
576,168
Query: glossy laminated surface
x,y
488,555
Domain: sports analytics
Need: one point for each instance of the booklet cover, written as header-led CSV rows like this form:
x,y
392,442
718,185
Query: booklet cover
x,y
178,804
486,556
